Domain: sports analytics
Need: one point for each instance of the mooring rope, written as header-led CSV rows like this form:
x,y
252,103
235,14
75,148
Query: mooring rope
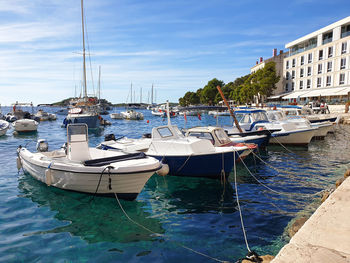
x,y
280,143
237,199
165,237
277,192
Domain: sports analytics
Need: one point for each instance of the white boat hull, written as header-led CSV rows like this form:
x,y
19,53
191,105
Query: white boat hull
x,y
25,125
322,130
301,138
127,183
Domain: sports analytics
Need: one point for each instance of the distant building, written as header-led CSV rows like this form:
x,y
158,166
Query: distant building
x,y
316,66
278,59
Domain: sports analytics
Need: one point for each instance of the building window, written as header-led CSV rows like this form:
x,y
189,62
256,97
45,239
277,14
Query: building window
x,y
319,69
309,58
318,82
320,55
301,72
327,37
287,75
330,52
344,47
329,66
293,74
302,60
287,87
287,64
293,85
301,84
308,84
342,63
309,71
293,62
341,79
328,82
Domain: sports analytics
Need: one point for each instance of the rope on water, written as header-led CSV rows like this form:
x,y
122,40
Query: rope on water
x,y
237,199
165,237
274,191
280,143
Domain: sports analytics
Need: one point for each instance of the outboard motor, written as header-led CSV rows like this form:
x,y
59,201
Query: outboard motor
x,y
109,137
42,145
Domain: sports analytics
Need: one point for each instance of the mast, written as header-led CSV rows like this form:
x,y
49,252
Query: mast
x,y
152,95
131,93
84,66
99,83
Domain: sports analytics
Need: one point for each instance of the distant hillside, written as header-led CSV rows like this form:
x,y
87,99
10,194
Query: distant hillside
x,y
65,102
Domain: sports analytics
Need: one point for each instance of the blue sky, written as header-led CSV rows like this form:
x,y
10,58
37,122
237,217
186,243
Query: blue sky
x,y
177,45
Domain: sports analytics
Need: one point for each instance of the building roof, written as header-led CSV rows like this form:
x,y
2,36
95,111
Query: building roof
x,y
320,31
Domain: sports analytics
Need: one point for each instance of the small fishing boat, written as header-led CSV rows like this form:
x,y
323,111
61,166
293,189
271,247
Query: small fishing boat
x,y
282,132
45,116
132,115
77,167
116,116
25,125
4,126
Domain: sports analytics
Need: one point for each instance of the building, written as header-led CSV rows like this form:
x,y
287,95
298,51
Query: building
x,y
316,66
278,59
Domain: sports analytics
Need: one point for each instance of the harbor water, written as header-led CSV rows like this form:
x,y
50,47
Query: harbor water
x,y
192,219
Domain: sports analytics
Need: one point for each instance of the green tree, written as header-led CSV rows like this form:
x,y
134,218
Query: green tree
x,y
208,94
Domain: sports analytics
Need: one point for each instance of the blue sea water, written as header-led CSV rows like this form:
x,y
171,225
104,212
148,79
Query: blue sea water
x,y
44,224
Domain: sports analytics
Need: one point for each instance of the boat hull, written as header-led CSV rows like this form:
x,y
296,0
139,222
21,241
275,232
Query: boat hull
x,y
299,138
209,165
125,185
25,125
92,121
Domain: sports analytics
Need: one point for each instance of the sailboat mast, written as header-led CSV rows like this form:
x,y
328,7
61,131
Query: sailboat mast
x,y
131,93
84,66
99,83
152,95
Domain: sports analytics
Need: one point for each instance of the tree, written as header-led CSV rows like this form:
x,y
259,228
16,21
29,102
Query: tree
x,y
208,94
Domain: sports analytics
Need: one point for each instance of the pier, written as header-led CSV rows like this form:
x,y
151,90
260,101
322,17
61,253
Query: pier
x,y
325,236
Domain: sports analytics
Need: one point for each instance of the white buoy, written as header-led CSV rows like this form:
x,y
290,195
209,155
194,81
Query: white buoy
x,y
164,170
48,177
19,164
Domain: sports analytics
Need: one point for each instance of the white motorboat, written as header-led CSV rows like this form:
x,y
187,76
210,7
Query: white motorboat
x,y
322,128
116,116
25,125
45,116
132,115
282,132
88,170
4,126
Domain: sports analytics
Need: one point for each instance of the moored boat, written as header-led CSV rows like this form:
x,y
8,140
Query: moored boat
x,y
4,126
88,170
25,125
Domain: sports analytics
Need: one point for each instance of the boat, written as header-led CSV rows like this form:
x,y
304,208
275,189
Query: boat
x,y
62,111
185,156
322,128
45,116
25,125
77,167
282,132
219,138
132,115
116,116
4,126
85,109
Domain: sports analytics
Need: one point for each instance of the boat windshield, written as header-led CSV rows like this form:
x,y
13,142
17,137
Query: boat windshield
x,y
243,117
202,135
222,136
259,116
77,132
275,116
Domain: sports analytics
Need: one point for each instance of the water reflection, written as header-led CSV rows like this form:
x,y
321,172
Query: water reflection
x,y
100,220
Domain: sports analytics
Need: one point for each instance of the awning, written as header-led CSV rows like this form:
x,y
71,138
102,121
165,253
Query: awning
x,y
277,96
295,94
339,91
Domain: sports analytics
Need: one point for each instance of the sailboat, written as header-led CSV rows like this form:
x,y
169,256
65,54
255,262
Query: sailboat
x,y
85,110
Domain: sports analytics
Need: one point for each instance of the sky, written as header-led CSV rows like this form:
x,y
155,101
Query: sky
x,y
177,46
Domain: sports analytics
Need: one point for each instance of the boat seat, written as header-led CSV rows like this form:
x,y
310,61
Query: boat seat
x,y
114,159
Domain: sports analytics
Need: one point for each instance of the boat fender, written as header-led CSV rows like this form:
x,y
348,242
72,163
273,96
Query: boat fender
x,y
48,177
19,164
164,170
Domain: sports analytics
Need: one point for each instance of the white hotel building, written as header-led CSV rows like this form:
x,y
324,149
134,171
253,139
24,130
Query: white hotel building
x,y
318,65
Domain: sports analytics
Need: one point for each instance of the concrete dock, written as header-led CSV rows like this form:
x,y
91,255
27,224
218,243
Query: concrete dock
x,y
325,236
